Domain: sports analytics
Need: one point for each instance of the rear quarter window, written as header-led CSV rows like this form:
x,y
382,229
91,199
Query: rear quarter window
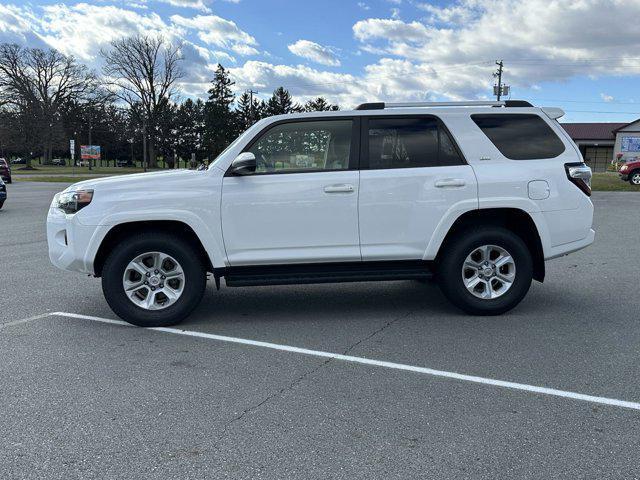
x,y
520,136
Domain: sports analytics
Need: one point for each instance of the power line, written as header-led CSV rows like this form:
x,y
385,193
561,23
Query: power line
x,y
599,102
602,111
353,78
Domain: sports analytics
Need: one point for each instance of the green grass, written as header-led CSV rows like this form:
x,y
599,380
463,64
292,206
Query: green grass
x,y
610,182
48,169
62,179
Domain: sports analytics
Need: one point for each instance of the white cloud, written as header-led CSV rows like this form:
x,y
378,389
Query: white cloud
x,y
364,6
450,53
607,98
314,52
455,14
196,4
220,32
83,29
388,79
539,40
15,26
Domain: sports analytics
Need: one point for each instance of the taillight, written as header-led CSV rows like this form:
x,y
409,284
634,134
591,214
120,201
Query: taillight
x,y
580,175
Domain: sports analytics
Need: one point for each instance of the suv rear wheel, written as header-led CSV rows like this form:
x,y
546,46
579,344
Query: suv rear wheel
x,y
485,271
153,279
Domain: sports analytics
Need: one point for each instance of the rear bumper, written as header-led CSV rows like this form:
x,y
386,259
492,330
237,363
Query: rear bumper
x,y
567,248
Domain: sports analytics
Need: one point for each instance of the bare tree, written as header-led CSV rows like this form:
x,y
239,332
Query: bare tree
x,y
36,84
144,71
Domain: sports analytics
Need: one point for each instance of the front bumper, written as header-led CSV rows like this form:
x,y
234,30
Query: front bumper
x,y
624,177
72,245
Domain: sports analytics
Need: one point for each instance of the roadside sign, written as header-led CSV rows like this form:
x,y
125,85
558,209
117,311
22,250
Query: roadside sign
x,y
90,152
72,148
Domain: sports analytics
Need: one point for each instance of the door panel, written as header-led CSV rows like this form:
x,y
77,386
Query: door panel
x,y
413,177
291,218
401,208
301,205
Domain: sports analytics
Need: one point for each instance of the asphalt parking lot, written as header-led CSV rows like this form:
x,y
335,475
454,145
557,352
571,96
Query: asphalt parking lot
x,y
83,398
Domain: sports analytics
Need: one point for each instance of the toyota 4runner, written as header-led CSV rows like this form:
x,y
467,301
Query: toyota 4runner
x,y
476,194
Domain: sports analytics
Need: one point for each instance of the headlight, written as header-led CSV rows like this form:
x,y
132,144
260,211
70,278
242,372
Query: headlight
x,y
624,168
73,201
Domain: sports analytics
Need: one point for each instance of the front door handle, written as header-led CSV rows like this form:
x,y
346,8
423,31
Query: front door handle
x,y
450,182
339,188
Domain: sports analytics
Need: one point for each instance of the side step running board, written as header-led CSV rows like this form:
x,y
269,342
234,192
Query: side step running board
x,y
325,273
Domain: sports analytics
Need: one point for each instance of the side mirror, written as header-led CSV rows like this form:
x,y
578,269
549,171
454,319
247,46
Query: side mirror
x,y
244,164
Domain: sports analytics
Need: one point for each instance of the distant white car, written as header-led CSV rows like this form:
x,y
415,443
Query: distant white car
x,y
477,194
60,162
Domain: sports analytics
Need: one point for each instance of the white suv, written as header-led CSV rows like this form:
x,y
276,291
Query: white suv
x,y
477,194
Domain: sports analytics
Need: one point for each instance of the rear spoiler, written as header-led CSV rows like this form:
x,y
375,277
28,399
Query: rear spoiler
x,y
553,112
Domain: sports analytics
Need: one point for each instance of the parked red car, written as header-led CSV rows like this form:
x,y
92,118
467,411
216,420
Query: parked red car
x,y
5,170
630,172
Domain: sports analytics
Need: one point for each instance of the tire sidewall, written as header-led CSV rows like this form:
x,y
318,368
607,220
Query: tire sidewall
x,y
450,270
127,250
637,172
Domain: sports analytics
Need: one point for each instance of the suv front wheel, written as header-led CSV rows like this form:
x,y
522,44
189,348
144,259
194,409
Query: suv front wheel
x,y
485,271
153,279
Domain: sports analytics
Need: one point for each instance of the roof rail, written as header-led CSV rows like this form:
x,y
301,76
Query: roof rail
x,y
473,103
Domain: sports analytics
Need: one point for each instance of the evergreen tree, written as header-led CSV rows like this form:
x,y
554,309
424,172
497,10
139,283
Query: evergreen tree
x,y
220,125
281,103
167,134
320,104
247,112
190,127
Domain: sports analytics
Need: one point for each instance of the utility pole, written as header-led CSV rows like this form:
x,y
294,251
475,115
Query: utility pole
x,y
499,90
251,94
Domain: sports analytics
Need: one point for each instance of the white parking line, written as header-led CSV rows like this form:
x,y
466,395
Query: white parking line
x,y
361,360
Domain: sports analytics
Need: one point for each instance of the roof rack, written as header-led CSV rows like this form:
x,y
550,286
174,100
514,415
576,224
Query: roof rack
x,y
475,103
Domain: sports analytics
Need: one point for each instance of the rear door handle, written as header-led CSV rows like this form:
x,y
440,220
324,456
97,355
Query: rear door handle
x,y
339,188
450,182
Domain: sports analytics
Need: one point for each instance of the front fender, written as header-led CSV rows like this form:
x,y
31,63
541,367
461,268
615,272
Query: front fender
x,y
209,234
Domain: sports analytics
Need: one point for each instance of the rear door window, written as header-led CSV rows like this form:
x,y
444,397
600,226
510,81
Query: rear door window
x,y
520,136
408,143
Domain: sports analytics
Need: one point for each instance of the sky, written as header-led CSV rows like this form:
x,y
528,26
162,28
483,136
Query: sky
x,y
580,55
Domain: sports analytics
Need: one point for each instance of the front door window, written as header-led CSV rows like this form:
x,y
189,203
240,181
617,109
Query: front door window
x,y
304,147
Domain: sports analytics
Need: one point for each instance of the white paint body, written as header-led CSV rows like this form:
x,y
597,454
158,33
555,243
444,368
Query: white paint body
x,y
335,216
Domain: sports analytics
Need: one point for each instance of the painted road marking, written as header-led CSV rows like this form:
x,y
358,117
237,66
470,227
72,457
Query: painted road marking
x,y
359,360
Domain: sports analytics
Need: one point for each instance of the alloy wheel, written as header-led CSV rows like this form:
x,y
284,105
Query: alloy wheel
x,y
488,272
153,280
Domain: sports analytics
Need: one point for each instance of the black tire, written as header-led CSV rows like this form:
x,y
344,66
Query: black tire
x,y
183,252
635,172
1,204
451,261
